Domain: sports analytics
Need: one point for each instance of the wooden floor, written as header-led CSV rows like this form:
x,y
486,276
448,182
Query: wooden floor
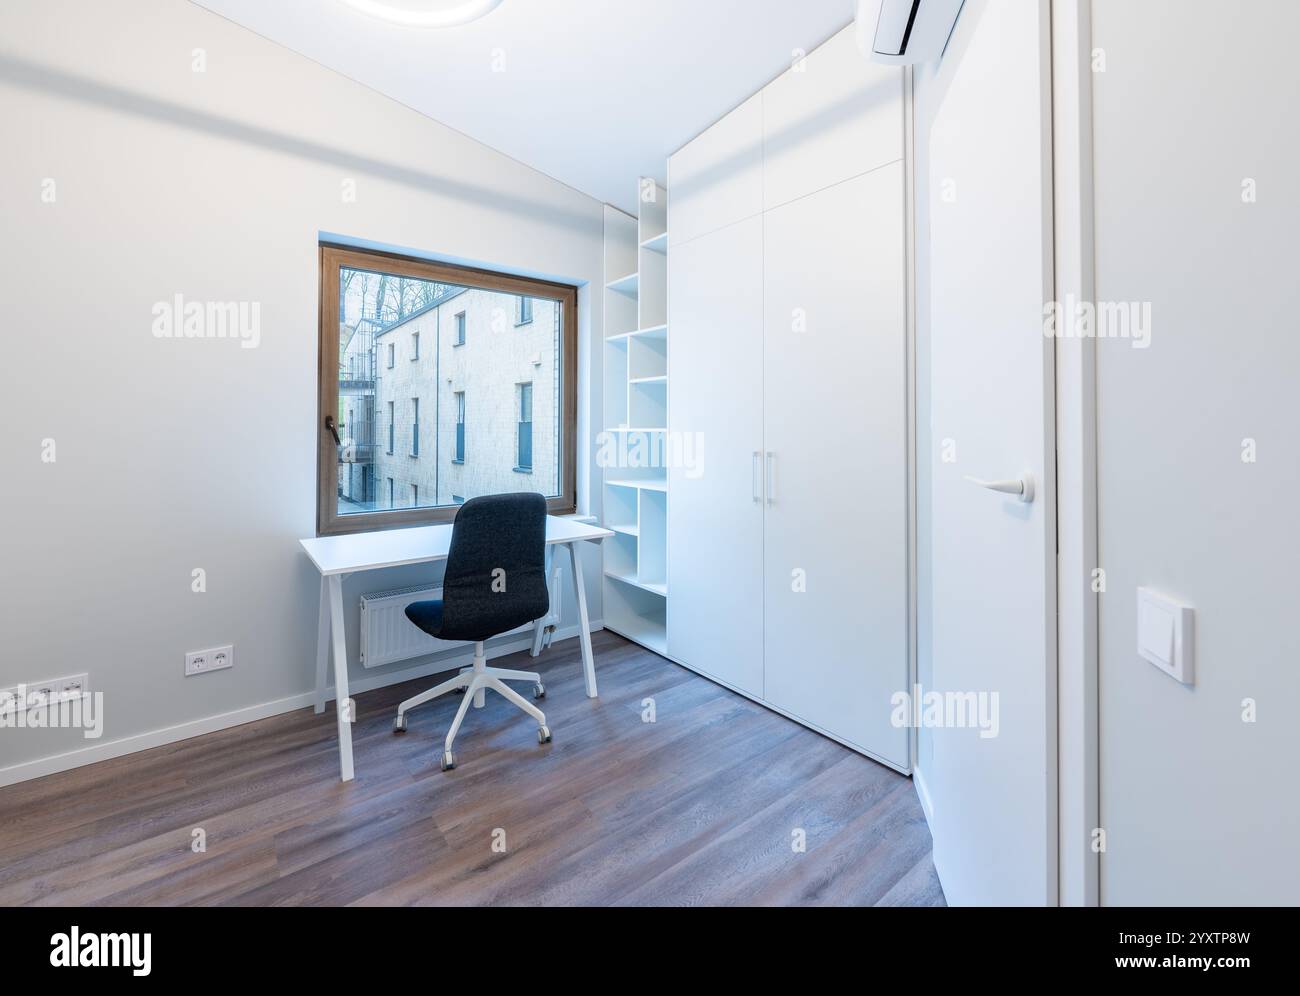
x,y
699,807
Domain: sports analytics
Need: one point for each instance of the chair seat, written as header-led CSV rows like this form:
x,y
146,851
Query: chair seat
x,y
427,615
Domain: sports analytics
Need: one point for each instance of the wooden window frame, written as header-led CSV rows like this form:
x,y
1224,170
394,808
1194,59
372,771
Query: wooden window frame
x,y
334,257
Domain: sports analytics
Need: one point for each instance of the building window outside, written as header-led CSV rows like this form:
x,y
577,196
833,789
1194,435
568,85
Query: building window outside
x,y
457,500
525,311
392,423
460,329
415,346
415,427
390,492
524,437
460,427
415,496
392,354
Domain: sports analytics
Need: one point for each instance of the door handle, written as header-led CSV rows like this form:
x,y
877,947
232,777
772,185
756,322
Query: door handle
x,y
1022,487
753,477
771,480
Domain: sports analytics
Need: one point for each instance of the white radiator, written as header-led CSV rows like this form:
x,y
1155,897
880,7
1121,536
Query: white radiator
x,y
388,636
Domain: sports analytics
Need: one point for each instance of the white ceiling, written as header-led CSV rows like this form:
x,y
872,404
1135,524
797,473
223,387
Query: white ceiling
x,y
594,92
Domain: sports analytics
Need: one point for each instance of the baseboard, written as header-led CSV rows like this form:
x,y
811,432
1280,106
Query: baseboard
x,y
923,793
94,753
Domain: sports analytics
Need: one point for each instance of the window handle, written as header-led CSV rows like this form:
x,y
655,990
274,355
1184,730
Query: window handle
x,y
334,430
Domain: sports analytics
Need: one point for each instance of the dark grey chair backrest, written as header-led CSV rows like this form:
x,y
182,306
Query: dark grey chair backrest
x,y
496,567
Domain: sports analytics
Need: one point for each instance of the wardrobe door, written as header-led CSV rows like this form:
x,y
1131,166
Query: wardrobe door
x,y
835,426
717,178
831,117
715,512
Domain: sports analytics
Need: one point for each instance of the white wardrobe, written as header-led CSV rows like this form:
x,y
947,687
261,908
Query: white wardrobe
x,y
788,539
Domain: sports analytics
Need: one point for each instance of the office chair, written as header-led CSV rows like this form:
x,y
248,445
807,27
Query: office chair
x,y
495,581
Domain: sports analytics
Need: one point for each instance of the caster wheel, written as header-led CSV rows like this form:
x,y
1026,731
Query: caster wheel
x,y
448,760
399,724
543,734
539,691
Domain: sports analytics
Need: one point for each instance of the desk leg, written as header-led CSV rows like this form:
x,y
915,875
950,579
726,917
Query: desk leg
x,y
342,701
539,627
322,645
584,628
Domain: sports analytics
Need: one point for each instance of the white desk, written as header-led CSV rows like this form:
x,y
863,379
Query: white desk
x,y
336,557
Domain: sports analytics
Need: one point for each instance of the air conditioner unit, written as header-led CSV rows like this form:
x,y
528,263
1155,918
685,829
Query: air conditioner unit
x,y
904,32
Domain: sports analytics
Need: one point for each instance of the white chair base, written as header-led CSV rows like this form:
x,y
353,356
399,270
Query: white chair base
x,y
476,680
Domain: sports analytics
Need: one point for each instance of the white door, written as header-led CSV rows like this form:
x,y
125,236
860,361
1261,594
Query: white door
x,y
835,334
993,557
715,377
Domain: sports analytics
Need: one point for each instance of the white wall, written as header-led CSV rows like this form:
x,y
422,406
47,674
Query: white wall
x,y
181,454
1199,806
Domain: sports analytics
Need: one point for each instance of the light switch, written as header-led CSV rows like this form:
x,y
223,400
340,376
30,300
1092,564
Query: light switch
x,y
1165,634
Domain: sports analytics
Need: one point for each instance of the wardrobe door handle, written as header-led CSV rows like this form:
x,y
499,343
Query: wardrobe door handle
x,y
754,476
771,485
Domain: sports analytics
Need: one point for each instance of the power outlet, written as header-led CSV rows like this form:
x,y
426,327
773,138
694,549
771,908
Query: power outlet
x,y
203,661
38,694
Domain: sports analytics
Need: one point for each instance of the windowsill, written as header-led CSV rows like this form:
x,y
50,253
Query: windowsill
x,y
457,345
460,463
523,470
521,324
414,456
388,452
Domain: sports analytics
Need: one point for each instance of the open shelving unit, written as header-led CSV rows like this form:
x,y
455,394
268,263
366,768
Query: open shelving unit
x,y
635,499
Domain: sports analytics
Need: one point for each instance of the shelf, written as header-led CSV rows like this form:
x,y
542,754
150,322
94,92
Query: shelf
x,y
649,632
657,244
659,332
625,285
654,589
634,361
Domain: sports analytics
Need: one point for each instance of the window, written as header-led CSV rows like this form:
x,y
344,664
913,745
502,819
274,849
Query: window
x,y
370,301
460,428
524,435
415,427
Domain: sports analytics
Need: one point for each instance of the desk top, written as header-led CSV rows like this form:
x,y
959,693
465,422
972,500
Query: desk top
x,y
420,544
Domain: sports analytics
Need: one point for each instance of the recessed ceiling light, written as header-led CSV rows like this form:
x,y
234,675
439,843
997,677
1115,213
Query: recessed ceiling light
x,y
438,17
